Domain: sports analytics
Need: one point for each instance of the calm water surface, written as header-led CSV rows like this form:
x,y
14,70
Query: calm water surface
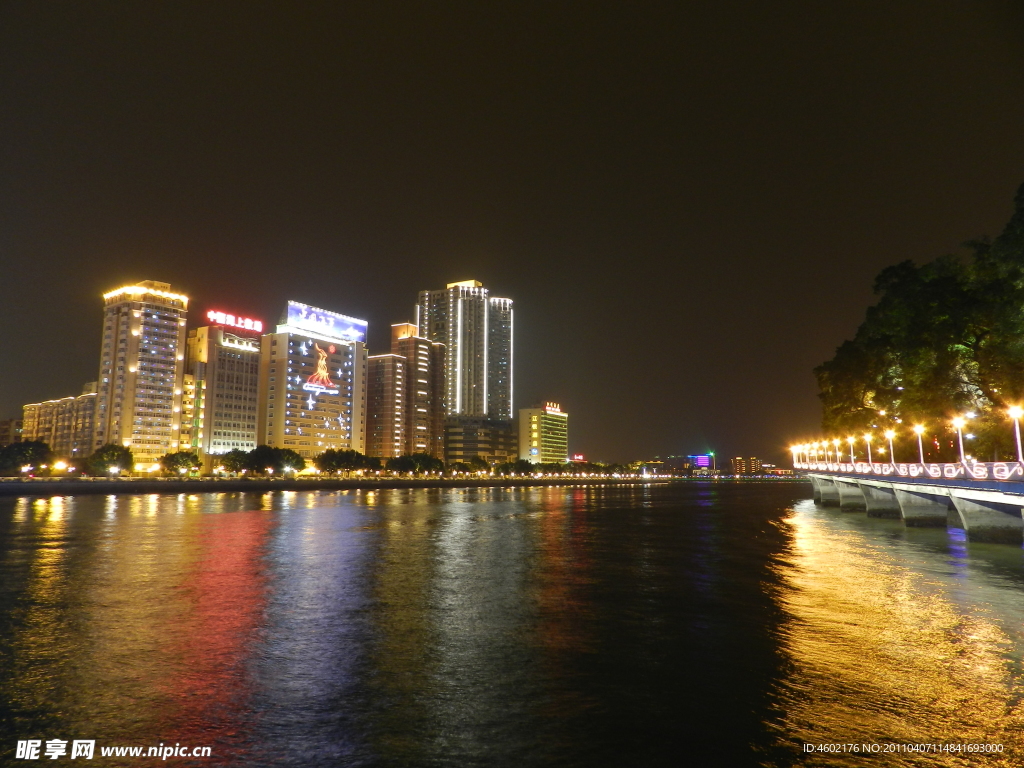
x,y
697,623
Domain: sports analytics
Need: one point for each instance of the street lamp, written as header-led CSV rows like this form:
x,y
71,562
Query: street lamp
x,y
919,430
867,439
959,423
889,435
851,440
835,443
1015,413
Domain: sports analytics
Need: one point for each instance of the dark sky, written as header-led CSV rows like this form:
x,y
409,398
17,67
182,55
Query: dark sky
x,y
687,200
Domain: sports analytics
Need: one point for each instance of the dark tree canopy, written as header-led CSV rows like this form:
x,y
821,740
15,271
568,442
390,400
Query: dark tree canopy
x,y
944,338
28,454
108,458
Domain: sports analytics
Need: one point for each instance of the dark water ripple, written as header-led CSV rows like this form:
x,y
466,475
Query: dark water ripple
x,y
699,623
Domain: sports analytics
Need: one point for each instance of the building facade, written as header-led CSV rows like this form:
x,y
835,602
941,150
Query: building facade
x,y
468,437
477,331
138,403
10,431
386,390
66,424
425,380
224,368
544,434
312,393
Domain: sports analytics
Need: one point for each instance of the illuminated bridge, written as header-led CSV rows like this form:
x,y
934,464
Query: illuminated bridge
x,y
985,499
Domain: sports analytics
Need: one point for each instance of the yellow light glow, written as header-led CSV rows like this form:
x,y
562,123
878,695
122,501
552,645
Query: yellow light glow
x,y
919,428
141,289
959,423
867,438
1015,412
889,434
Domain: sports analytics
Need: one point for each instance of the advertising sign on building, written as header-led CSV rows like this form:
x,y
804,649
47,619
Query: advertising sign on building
x,y
325,324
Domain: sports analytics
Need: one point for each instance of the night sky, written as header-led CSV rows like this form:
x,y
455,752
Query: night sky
x,y
687,201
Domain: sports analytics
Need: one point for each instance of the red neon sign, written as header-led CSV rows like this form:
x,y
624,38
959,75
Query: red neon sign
x,y
235,321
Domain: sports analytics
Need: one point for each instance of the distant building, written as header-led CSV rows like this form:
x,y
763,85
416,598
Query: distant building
x,y
476,330
142,361
10,431
221,401
742,466
493,440
544,434
312,389
425,387
386,387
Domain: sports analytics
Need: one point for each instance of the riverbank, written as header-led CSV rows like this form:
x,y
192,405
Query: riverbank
x,y
82,486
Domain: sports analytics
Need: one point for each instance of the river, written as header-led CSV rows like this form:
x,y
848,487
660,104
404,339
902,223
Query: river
x,y
694,623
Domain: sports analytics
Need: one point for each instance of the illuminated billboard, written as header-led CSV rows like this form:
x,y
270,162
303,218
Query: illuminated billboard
x,y
324,324
320,382
234,321
701,461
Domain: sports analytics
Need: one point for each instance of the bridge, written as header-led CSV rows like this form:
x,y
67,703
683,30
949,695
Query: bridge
x,y
984,499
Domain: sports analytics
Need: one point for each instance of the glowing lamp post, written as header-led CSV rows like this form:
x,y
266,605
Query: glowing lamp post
x,y
867,440
835,444
959,423
851,440
889,435
1015,413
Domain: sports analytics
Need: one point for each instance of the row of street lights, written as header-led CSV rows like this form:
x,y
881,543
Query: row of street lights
x,y
826,447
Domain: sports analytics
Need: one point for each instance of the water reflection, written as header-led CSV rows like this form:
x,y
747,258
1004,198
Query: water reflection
x,y
900,637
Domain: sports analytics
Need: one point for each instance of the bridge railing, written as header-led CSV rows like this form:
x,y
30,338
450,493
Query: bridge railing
x,y
971,470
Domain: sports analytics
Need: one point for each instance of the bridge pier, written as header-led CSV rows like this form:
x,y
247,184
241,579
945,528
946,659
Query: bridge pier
x,y
827,493
880,501
989,520
850,495
923,510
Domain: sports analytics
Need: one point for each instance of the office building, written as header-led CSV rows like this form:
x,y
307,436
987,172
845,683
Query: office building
x,y
493,440
312,392
10,431
385,405
477,332
424,395
746,466
66,424
544,434
138,404
224,367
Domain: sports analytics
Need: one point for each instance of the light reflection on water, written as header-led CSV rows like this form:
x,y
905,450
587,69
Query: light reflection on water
x,y
650,625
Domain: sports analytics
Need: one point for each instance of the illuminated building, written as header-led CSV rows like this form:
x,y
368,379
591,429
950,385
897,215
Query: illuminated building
x,y
424,395
703,464
66,424
142,361
476,330
544,434
385,398
224,362
742,466
466,437
312,392
10,431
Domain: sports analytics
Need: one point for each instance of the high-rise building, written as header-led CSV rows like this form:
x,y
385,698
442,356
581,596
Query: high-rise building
x,y
10,431
224,365
65,424
312,393
386,390
544,434
142,361
424,398
476,330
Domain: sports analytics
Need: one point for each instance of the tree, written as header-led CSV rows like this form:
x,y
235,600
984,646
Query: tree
x,y
264,458
427,463
28,454
110,458
235,460
478,464
174,463
400,464
944,338
332,460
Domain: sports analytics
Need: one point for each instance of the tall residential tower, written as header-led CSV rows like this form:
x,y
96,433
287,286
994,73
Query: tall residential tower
x,y
476,330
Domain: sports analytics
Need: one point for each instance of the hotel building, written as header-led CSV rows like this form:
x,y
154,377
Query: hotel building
x,y
544,434
66,424
312,392
476,330
224,368
138,403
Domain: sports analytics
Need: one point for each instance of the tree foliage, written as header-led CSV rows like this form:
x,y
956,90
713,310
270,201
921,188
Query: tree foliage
x,y
28,454
944,338
108,458
333,460
181,460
